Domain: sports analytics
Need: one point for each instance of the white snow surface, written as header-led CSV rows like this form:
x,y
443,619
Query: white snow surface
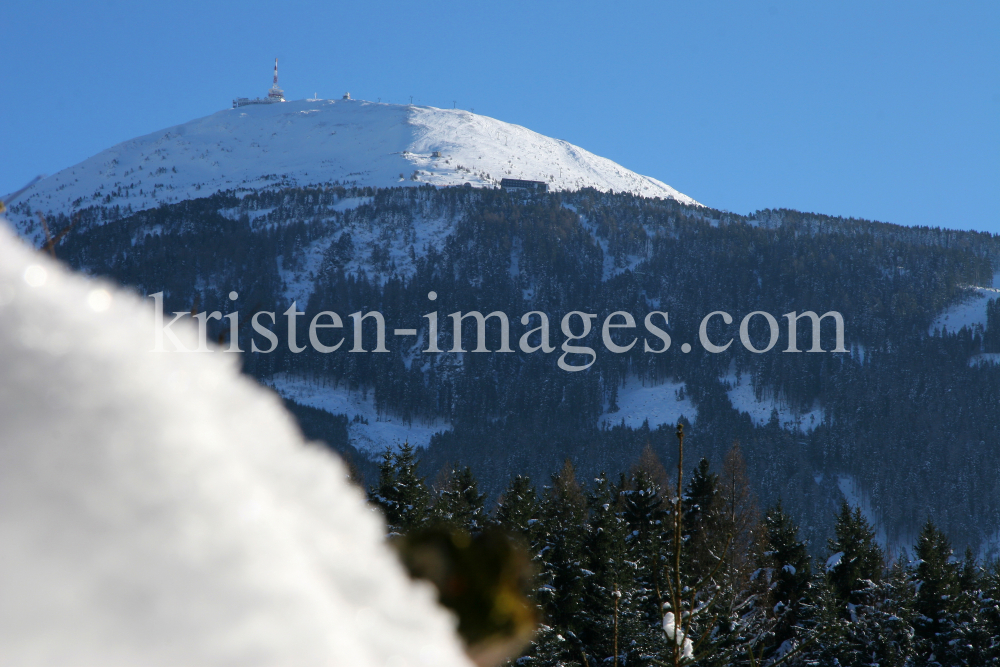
x,y
984,359
855,496
372,438
970,312
308,142
638,402
742,397
161,509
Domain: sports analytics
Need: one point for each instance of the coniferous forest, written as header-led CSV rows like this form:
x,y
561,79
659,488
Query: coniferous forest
x,y
907,415
607,577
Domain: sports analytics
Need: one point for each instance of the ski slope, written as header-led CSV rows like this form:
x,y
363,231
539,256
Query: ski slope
x,y
309,142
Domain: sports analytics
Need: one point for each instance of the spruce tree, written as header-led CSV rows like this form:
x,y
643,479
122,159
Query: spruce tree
x,y
856,561
789,575
401,493
517,510
606,619
937,585
459,503
561,580
703,538
647,545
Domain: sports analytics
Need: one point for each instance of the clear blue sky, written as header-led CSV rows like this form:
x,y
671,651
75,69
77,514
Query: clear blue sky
x,y
884,111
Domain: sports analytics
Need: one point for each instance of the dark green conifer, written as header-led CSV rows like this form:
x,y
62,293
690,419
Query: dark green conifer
x,y
564,514
945,616
517,510
607,583
856,561
789,570
401,493
702,522
459,503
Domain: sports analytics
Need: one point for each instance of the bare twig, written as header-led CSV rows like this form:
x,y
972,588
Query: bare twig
x,y
52,241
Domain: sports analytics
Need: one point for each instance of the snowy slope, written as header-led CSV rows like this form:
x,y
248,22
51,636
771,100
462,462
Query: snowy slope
x,y
162,509
855,496
373,433
658,404
970,312
742,397
319,141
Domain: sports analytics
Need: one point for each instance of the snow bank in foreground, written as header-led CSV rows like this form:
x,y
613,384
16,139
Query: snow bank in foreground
x,y
159,509
372,437
660,404
741,395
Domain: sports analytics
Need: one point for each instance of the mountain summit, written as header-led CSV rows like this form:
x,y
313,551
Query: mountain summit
x,y
308,142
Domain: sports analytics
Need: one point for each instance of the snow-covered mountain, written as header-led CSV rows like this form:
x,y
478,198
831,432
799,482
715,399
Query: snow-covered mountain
x,y
308,142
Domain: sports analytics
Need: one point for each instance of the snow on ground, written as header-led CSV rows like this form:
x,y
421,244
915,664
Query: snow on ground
x,y
989,549
371,438
320,141
859,352
162,509
970,312
741,395
610,267
984,359
660,404
856,497
301,281
423,233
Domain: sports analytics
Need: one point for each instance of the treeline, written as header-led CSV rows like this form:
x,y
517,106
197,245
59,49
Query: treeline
x,y
608,572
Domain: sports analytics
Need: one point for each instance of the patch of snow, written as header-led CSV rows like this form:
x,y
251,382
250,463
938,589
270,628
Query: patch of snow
x,y
856,497
301,281
834,560
859,352
984,359
742,397
236,212
989,548
970,312
676,634
400,246
162,509
310,142
349,203
659,404
610,267
371,438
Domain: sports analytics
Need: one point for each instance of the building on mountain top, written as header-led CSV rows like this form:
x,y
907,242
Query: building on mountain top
x,y
274,94
519,184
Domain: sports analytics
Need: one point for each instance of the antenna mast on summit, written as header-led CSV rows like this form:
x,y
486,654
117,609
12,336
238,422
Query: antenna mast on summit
x,y
276,94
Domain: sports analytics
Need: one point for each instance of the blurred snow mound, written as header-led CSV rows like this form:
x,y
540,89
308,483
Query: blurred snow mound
x,y
161,509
